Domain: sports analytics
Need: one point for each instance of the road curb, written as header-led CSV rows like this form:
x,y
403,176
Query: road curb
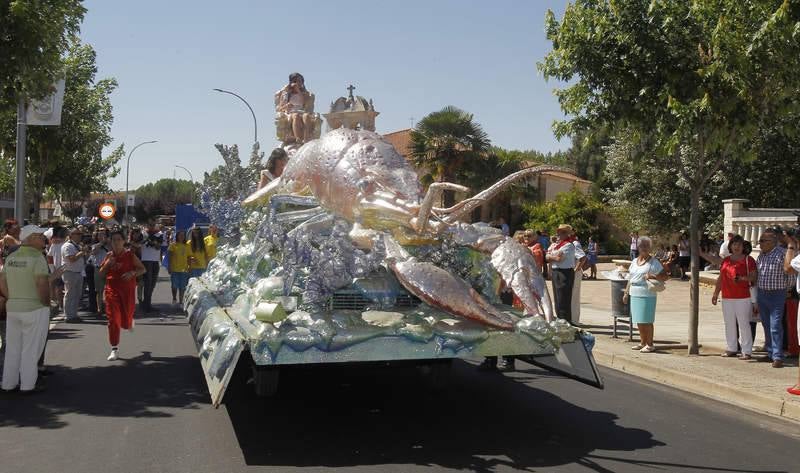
x,y
776,406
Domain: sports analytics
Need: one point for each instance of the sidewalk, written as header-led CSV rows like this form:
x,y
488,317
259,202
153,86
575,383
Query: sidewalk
x,y
749,384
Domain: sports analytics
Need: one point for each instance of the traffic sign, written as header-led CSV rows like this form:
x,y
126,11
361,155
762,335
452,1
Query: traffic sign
x,y
107,211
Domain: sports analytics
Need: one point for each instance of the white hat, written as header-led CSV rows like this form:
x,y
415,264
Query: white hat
x,y
29,230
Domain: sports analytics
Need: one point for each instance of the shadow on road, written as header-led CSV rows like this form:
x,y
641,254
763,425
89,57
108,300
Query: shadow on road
x,y
64,334
345,417
134,387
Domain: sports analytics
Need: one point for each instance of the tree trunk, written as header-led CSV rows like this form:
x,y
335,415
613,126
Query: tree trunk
x,y
694,245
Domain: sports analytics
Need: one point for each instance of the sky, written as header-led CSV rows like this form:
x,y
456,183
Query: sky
x,y
411,58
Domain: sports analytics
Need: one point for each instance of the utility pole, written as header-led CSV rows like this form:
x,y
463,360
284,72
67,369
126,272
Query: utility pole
x,y
19,188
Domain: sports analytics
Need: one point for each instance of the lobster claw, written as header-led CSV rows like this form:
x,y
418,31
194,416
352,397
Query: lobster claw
x,y
438,288
516,265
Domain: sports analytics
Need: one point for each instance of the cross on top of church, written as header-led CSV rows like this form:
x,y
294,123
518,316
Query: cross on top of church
x,y
351,89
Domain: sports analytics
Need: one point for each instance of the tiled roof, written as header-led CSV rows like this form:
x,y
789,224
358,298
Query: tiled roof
x,y
401,140
566,175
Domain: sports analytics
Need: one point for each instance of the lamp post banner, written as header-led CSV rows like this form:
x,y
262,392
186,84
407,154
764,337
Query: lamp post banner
x,y
47,111
131,200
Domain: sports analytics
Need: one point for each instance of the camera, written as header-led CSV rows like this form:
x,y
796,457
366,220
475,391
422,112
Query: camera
x,y
154,241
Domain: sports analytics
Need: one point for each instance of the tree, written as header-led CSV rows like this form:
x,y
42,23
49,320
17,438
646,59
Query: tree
x,y
34,35
584,212
646,195
161,197
67,159
232,180
227,185
447,145
694,78
769,180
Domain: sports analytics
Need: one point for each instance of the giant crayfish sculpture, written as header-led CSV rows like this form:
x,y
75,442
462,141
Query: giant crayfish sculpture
x,y
358,176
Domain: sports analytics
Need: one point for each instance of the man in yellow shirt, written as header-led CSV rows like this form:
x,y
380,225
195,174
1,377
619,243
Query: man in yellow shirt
x,y
211,242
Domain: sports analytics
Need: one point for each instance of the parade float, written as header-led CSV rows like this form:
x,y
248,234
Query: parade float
x,y
344,259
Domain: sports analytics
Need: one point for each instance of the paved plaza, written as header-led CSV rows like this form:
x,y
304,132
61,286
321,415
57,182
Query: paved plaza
x,y
749,384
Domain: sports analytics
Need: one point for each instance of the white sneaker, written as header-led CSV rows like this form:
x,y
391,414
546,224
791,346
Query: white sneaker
x,y
637,347
113,355
648,349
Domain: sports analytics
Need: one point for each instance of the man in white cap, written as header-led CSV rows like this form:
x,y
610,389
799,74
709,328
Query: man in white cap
x,y
24,283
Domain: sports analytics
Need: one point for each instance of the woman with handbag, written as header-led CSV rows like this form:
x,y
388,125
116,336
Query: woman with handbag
x,y
646,279
736,274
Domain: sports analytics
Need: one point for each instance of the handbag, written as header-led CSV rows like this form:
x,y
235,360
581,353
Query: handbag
x,y
654,285
753,289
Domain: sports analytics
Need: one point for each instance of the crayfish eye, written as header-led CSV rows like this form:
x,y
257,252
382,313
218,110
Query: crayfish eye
x,y
366,186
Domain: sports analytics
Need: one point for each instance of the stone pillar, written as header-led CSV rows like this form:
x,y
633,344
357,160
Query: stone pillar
x,y
731,209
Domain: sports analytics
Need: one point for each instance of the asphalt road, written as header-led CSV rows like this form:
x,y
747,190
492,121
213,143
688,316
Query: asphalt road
x,y
150,412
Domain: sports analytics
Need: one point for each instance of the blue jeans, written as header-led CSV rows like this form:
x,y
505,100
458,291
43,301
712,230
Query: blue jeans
x,y
770,309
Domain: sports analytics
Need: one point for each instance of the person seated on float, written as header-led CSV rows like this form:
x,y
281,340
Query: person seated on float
x,y
275,164
295,101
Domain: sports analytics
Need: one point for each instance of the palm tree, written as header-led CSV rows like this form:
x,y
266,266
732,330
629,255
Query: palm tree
x,y
446,145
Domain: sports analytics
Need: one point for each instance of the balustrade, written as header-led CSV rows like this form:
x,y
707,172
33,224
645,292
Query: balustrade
x,y
752,222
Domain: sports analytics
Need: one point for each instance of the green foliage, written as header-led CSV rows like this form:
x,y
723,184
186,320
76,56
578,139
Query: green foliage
x,y
772,179
33,36
67,160
448,146
575,208
586,213
645,193
690,83
161,197
587,155
691,73
7,173
231,180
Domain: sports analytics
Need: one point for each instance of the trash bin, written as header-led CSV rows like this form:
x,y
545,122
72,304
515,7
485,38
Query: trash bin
x,y
620,311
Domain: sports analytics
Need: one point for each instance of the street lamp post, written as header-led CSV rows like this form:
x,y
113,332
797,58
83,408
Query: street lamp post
x,y
188,171
255,122
127,175
176,186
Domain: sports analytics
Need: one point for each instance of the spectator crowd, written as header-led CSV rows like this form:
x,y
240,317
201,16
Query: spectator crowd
x,y
105,271
44,271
